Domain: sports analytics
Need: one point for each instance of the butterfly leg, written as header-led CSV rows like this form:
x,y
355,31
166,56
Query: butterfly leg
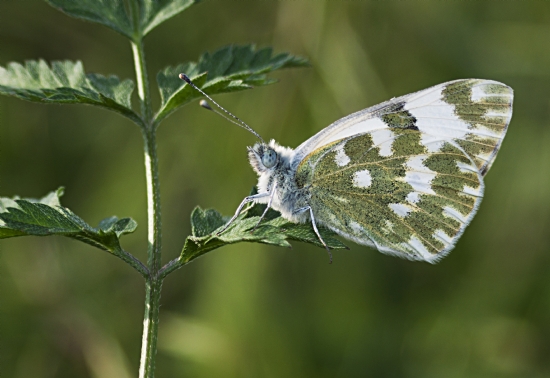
x,y
303,209
240,208
271,195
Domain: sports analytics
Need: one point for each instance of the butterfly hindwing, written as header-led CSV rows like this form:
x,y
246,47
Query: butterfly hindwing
x,y
406,176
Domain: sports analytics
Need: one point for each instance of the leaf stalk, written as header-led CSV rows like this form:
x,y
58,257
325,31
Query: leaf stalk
x,y
173,265
132,261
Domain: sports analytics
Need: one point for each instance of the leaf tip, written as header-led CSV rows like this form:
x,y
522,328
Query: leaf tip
x,y
60,191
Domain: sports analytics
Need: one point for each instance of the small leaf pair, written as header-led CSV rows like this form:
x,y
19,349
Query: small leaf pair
x,y
229,69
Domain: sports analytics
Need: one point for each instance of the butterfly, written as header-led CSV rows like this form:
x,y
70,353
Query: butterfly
x,y
404,176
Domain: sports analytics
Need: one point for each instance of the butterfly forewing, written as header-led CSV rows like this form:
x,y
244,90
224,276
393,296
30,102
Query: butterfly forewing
x,y
406,176
471,113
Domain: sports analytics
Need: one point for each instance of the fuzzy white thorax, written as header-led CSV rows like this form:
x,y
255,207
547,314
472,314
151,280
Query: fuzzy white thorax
x,y
287,197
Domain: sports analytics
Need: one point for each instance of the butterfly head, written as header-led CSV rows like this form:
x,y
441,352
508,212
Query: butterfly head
x,y
267,158
262,157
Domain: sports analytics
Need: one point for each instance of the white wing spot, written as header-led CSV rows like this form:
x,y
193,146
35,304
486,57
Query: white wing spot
x,y
413,197
478,93
418,175
441,122
341,158
362,179
400,209
433,143
384,140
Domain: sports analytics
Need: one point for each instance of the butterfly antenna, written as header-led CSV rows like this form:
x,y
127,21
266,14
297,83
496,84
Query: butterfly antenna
x,y
236,120
206,105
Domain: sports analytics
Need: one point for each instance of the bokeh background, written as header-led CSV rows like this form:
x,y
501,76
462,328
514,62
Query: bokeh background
x,y
249,310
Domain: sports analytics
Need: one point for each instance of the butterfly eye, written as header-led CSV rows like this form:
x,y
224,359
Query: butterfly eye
x,y
269,158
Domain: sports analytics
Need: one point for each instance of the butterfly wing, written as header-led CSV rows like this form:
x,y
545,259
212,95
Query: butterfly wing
x,y
406,176
473,113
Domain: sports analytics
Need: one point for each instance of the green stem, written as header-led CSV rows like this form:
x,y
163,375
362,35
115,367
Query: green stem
x,y
153,283
153,201
140,66
142,80
150,328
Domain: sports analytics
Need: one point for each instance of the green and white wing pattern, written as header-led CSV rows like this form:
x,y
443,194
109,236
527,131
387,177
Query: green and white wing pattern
x,y
406,176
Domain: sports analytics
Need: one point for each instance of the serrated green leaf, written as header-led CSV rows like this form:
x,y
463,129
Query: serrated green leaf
x,y
204,222
155,12
51,199
66,83
110,13
46,216
229,69
277,231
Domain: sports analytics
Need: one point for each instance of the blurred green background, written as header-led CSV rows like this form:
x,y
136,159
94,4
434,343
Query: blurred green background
x,y
249,310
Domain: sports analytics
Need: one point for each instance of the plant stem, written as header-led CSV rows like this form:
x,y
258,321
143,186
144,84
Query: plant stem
x,y
153,201
142,80
153,282
140,66
150,328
